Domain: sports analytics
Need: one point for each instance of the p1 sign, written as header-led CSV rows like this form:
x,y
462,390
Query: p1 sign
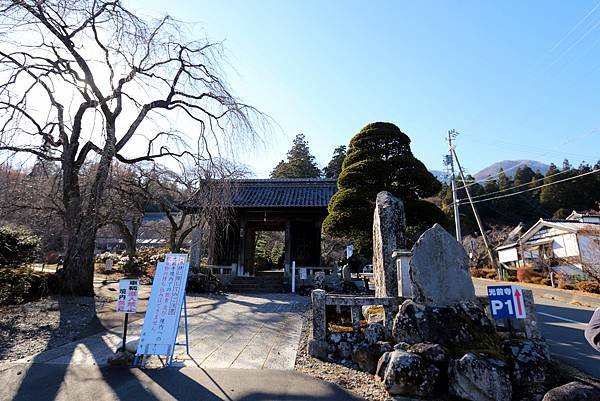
x,y
506,302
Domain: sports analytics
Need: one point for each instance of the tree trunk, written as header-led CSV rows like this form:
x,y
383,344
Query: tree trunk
x,y
77,275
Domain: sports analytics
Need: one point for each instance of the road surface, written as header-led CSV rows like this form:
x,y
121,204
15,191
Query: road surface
x,y
562,317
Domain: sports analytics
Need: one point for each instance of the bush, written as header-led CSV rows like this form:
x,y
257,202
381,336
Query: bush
x,y
526,274
546,281
491,275
479,273
588,286
18,247
20,285
536,279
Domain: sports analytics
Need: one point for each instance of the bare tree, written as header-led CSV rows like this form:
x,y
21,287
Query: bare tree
x,y
195,196
129,194
87,80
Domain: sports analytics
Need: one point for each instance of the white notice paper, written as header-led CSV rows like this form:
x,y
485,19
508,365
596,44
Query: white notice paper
x,y
164,306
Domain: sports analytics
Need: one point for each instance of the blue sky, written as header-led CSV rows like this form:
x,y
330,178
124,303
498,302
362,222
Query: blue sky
x,y
517,79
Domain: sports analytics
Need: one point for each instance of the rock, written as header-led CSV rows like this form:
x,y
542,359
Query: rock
x,y
477,379
385,346
529,361
345,350
335,337
459,326
405,373
319,280
374,332
120,358
389,225
439,269
318,349
402,346
366,357
574,391
434,353
131,345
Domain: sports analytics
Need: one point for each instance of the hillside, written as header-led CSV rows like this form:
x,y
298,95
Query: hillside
x,y
510,167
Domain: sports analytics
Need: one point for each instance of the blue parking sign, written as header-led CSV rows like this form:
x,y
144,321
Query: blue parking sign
x,y
506,302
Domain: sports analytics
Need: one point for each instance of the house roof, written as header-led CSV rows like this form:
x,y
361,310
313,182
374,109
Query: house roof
x,y
571,226
575,215
279,193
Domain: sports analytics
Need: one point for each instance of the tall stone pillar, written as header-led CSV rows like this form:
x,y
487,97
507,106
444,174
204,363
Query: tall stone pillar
x,y
389,226
196,247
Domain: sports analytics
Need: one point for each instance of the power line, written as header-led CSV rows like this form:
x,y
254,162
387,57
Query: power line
x,y
569,140
520,185
533,189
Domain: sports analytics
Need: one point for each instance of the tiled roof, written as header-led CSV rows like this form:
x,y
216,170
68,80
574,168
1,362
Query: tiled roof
x,y
281,193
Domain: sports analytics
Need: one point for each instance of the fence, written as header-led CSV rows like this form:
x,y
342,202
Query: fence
x,y
320,301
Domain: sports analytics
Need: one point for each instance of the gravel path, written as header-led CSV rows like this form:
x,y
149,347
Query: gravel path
x,y
48,323
360,383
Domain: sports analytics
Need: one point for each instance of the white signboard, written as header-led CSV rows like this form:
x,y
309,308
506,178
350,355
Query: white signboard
x,y
164,307
349,251
303,273
128,295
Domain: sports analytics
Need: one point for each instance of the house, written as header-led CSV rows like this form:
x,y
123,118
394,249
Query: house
x,y
570,246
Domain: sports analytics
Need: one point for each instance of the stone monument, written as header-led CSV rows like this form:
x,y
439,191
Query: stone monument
x,y
439,270
389,225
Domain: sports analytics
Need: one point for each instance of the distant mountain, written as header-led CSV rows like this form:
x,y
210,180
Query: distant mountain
x,y
440,175
510,167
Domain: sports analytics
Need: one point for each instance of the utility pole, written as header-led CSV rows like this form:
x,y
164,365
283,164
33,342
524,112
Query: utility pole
x,y
487,246
449,162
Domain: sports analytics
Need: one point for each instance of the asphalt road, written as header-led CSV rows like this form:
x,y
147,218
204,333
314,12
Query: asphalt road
x,y
562,317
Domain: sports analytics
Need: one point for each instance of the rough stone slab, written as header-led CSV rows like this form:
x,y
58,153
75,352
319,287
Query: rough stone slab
x,y
389,226
439,269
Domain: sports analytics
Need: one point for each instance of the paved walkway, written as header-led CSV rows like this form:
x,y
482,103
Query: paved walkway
x,y
226,331
53,382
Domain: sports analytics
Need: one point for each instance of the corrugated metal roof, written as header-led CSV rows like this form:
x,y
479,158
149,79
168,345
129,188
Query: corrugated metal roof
x,y
279,193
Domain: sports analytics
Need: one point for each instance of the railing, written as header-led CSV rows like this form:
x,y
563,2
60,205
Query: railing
x,y
222,270
320,300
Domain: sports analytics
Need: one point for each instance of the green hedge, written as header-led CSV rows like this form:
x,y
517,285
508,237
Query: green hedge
x,y
18,247
22,284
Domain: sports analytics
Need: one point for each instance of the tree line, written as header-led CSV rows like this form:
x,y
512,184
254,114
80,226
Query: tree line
x,y
527,196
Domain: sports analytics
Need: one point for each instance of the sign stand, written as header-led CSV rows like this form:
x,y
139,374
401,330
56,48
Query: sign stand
x,y
185,323
127,302
163,315
186,343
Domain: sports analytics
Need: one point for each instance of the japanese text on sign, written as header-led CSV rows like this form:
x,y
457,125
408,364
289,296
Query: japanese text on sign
x,y
164,307
128,295
506,302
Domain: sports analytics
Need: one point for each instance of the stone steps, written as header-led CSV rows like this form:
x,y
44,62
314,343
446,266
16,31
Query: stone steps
x,y
258,284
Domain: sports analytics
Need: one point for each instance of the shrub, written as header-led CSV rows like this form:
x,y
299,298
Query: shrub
x,y
20,285
18,247
536,279
546,281
479,273
524,274
588,286
491,275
